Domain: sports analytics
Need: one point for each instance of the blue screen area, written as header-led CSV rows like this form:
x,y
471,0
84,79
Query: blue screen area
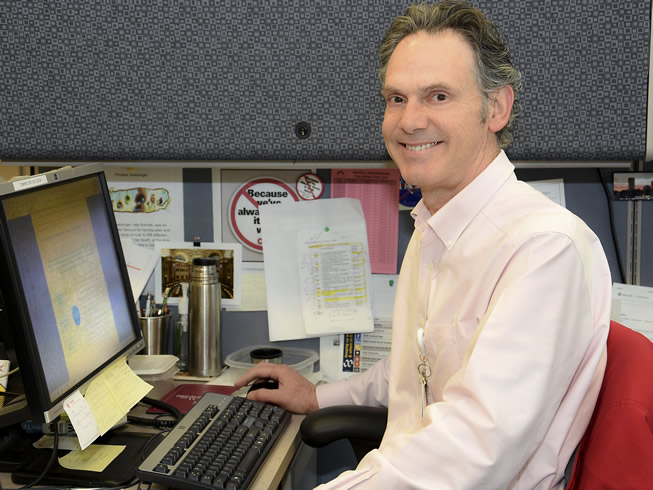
x,y
37,296
110,267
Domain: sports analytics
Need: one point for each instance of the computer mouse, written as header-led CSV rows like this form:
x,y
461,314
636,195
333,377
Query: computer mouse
x,y
268,384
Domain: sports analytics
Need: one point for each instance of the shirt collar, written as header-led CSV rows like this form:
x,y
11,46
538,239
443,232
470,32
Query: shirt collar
x,y
450,221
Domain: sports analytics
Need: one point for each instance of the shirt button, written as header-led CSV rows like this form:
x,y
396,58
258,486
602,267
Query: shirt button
x,y
448,243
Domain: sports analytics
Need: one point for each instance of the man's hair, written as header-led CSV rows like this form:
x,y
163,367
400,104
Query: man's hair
x,y
494,68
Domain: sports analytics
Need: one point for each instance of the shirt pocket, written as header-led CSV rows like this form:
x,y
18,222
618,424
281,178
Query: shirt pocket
x,y
439,337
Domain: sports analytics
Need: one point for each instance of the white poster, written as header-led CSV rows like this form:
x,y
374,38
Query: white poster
x,y
632,306
304,243
148,203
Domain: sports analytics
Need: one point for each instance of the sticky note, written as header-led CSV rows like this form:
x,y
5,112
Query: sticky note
x,y
113,393
81,416
94,458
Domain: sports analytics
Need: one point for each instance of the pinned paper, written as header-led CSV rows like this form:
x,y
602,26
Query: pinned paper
x,y
377,189
344,355
317,268
95,458
81,416
632,306
141,262
334,281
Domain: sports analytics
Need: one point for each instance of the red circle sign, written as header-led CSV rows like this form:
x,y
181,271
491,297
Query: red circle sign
x,y
244,217
309,186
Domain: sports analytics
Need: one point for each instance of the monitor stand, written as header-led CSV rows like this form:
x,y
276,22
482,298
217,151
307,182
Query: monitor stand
x,y
119,473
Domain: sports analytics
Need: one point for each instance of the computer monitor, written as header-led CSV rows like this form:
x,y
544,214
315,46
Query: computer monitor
x,y
66,304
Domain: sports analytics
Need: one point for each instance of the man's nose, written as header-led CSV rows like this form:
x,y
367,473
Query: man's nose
x,y
413,117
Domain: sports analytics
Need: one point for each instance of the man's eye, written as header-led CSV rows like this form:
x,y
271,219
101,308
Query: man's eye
x,y
439,97
395,99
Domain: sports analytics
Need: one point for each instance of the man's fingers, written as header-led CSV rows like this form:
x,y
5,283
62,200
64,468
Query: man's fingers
x,y
261,370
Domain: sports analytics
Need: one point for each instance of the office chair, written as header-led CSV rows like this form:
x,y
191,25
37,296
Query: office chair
x,y
616,450
363,426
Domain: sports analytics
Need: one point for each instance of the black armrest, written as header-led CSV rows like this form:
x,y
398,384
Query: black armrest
x,y
351,422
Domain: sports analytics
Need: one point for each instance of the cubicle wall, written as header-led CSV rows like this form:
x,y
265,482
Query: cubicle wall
x,y
281,82
293,80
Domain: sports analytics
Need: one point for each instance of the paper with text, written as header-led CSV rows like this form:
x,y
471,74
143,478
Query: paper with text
x,y
141,262
113,393
632,306
81,416
334,282
95,458
148,203
289,231
344,355
378,192
253,296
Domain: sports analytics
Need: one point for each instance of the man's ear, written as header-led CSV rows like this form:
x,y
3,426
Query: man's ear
x,y
500,107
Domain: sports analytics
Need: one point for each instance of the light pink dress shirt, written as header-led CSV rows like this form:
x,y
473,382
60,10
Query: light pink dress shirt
x,y
514,294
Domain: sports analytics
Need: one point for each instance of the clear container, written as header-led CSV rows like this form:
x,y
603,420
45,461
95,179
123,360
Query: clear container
x,y
303,360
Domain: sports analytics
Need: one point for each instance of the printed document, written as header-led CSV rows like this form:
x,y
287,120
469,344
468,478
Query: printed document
x,y
632,306
317,268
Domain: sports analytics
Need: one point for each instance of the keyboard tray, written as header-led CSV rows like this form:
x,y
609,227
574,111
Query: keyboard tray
x,y
220,443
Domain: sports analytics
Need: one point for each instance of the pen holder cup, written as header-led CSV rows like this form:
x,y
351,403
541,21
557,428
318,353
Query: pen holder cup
x,y
155,334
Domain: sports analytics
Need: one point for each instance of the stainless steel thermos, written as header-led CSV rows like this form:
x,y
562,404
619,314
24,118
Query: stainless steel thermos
x,y
204,318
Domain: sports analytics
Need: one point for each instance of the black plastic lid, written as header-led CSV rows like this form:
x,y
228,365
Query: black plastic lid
x,y
205,261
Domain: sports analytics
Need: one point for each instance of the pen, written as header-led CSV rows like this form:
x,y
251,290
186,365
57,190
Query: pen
x,y
164,305
148,305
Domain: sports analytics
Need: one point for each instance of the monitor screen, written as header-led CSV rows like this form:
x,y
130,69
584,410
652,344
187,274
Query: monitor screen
x,y
64,284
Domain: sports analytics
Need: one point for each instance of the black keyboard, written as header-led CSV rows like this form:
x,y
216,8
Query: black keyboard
x,y
220,443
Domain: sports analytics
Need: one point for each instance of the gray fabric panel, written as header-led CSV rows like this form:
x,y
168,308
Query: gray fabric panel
x,y
213,80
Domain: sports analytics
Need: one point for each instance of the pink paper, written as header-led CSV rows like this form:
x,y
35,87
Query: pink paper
x,y
378,192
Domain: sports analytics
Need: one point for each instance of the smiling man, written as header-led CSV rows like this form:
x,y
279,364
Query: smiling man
x,y
438,126
503,301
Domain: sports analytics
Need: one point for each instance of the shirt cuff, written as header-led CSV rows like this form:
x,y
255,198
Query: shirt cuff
x,y
334,393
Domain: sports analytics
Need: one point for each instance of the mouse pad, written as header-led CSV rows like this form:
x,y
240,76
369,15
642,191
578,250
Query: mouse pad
x,y
183,397
120,471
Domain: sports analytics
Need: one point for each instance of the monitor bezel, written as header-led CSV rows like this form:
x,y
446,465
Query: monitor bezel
x,y
19,329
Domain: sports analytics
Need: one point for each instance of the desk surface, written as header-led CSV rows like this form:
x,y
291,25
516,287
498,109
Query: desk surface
x,y
269,475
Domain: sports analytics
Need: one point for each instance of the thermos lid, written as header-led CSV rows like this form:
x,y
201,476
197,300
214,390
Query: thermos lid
x,y
205,261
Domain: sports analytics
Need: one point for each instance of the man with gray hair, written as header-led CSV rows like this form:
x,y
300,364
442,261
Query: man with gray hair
x,y
503,301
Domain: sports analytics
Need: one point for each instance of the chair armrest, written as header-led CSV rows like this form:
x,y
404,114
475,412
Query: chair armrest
x,y
330,424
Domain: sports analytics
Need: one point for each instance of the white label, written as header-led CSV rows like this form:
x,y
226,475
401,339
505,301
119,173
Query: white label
x,y
31,182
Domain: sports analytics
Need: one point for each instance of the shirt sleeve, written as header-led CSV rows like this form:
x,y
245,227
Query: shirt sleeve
x,y
368,388
535,351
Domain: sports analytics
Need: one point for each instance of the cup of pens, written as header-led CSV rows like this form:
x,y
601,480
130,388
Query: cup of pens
x,y
155,323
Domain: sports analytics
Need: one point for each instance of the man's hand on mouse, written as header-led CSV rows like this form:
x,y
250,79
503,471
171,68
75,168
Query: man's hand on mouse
x,y
295,393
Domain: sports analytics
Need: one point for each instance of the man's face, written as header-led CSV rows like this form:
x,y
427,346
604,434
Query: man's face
x,y
432,125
